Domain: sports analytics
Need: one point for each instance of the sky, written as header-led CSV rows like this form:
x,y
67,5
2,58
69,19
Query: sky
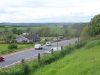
x,y
40,11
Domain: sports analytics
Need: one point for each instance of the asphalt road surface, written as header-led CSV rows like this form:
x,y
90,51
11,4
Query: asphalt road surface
x,y
31,53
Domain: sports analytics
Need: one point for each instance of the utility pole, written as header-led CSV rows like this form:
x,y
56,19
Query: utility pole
x,y
57,38
57,43
38,57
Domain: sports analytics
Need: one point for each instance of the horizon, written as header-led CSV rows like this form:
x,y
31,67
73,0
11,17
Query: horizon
x,y
40,22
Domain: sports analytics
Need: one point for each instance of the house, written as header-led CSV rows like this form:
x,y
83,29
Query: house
x,y
24,34
21,39
33,38
28,39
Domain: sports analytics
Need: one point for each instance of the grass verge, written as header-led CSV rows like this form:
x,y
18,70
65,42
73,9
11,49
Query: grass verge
x,y
4,48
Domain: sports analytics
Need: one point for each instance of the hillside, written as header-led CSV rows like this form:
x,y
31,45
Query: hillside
x,y
40,24
84,61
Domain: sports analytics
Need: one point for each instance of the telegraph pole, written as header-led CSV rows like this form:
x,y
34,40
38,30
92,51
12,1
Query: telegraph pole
x,y
57,38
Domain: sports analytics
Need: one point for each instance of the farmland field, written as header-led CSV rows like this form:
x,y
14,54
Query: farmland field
x,y
4,48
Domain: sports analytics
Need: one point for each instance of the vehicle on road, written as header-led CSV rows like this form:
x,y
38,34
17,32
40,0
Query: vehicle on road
x,y
55,39
48,43
54,49
1,59
38,46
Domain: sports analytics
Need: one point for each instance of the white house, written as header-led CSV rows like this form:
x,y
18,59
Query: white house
x,y
22,39
24,34
33,38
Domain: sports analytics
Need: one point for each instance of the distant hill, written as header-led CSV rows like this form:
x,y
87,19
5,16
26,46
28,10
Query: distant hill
x,y
39,24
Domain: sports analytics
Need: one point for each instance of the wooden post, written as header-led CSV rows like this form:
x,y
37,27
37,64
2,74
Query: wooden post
x,y
52,51
22,61
61,47
39,57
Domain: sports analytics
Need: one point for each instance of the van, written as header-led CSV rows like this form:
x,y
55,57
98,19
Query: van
x,y
38,46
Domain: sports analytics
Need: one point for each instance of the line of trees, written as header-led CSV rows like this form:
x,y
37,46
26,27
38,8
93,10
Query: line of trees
x,y
92,29
9,34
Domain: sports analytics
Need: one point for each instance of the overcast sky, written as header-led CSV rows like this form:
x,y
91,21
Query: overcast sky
x,y
48,10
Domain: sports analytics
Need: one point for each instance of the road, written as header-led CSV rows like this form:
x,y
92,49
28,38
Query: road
x,y
31,53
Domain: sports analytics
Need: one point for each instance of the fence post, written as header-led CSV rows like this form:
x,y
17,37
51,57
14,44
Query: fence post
x,y
61,47
39,57
52,51
22,61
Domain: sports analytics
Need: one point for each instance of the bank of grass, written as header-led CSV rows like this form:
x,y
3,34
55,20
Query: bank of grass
x,y
84,61
4,48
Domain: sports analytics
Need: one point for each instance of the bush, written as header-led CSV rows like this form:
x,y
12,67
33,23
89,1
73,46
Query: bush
x,y
12,46
26,69
92,44
80,44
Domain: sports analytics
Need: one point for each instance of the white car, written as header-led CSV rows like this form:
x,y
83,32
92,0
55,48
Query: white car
x,y
54,49
48,43
38,46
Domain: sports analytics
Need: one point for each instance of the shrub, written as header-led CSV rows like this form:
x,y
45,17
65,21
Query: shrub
x,y
92,44
25,69
12,46
80,44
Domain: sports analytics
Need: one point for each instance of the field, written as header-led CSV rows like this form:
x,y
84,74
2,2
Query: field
x,y
4,48
84,61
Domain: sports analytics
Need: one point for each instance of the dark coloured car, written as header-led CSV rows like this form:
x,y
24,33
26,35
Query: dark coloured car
x,y
2,59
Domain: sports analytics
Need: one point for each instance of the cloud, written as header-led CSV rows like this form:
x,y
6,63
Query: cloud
x,y
48,10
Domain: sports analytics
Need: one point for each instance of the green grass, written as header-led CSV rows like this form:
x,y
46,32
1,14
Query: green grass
x,y
4,48
84,61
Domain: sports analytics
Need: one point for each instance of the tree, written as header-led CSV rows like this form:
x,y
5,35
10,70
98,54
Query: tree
x,y
44,31
10,38
14,30
85,33
19,31
92,29
94,26
6,29
66,32
28,29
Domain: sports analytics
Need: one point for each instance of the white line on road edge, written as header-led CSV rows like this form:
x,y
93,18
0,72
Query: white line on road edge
x,y
18,62
18,52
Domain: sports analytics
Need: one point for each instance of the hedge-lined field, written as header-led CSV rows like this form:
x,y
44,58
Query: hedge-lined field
x,y
4,48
